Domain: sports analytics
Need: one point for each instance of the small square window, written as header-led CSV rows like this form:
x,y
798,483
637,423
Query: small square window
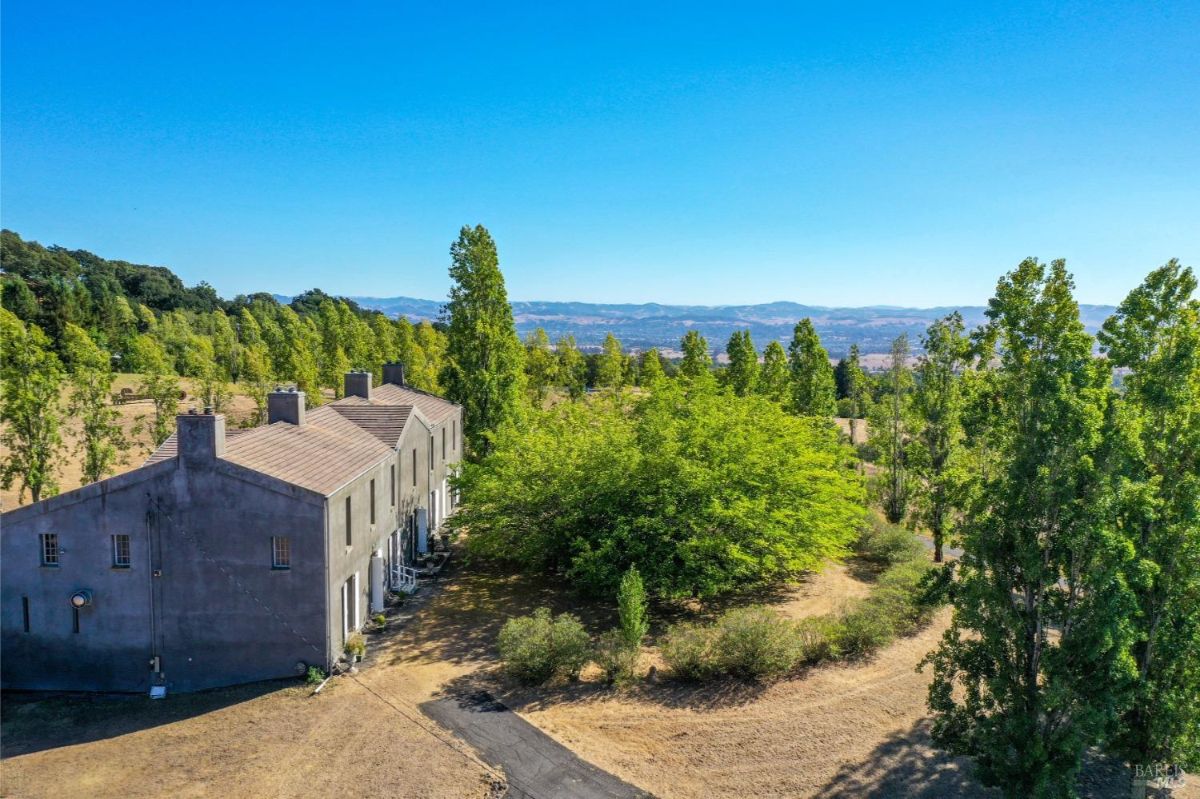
x,y
120,551
281,552
49,549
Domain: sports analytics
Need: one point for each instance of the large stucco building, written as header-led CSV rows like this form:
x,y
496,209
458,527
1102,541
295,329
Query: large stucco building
x,y
230,555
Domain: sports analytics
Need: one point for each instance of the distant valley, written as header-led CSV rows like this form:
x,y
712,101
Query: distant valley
x,y
640,327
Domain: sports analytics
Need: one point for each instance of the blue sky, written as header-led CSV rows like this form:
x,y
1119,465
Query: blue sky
x,y
841,154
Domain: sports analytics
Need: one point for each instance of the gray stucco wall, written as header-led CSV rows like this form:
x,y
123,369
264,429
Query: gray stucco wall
x,y
218,613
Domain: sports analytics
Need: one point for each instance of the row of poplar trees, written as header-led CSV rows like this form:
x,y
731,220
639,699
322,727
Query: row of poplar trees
x,y
1074,497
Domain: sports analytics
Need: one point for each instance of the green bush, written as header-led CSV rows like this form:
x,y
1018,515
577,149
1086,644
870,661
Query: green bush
x,y
356,645
862,632
315,675
687,651
817,640
538,647
887,544
755,643
899,595
616,657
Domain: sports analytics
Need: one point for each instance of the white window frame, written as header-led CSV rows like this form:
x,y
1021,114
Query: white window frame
x,y
281,545
118,561
44,554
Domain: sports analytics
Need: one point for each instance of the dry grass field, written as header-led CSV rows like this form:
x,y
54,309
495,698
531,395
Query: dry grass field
x,y
856,730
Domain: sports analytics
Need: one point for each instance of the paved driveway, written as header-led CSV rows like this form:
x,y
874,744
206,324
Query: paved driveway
x,y
537,766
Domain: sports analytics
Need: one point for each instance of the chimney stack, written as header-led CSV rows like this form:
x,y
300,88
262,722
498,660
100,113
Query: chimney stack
x,y
285,405
358,384
200,437
393,373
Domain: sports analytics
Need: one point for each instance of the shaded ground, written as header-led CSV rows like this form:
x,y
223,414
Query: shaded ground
x,y
535,764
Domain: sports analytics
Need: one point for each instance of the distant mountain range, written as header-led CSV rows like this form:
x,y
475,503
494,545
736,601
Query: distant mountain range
x,y
655,325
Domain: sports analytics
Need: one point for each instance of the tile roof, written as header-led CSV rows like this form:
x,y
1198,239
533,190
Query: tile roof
x,y
435,409
337,442
385,422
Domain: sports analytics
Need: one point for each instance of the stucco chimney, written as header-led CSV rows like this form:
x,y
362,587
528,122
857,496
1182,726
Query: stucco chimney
x,y
358,384
393,373
285,405
200,437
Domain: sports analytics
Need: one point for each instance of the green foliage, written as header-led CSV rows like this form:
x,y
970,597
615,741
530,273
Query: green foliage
x,y
755,643
937,454
572,368
1155,333
30,413
356,645
697,362
611,366
687,649
861,632
314,676
102,441
616,657
536,648
541,366
812,386
891,424
885,544
702,491
816,637
484,369
631,608
1040,554
651,369
774,377
742,373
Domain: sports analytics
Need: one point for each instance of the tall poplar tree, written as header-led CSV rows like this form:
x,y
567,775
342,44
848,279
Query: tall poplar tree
x,y
484,370
610,371
743,363
1155,333
891,426
853,387
812,386
31,376
651,370
697,362
937,449
541,367
773,377
572,367
1029,672
102,442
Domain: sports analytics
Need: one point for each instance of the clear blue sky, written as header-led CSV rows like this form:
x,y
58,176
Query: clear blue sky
x,y
847,154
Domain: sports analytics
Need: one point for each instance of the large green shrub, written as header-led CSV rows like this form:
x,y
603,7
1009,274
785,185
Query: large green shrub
x,y
536,648
616,657
755,643
703,491
687,650
817,639
886,544
862,631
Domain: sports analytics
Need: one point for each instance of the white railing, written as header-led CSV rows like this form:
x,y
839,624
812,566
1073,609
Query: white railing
x,y
404,578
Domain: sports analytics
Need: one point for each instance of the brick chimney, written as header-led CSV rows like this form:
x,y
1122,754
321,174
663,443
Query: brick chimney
x,y
200,437
393,373
358,384
285,405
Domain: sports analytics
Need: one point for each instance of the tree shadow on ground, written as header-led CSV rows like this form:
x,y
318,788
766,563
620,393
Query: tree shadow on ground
x,y
460,619
907,765
34,721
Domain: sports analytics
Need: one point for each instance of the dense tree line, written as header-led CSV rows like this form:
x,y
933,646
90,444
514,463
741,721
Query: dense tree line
x,y
72,321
